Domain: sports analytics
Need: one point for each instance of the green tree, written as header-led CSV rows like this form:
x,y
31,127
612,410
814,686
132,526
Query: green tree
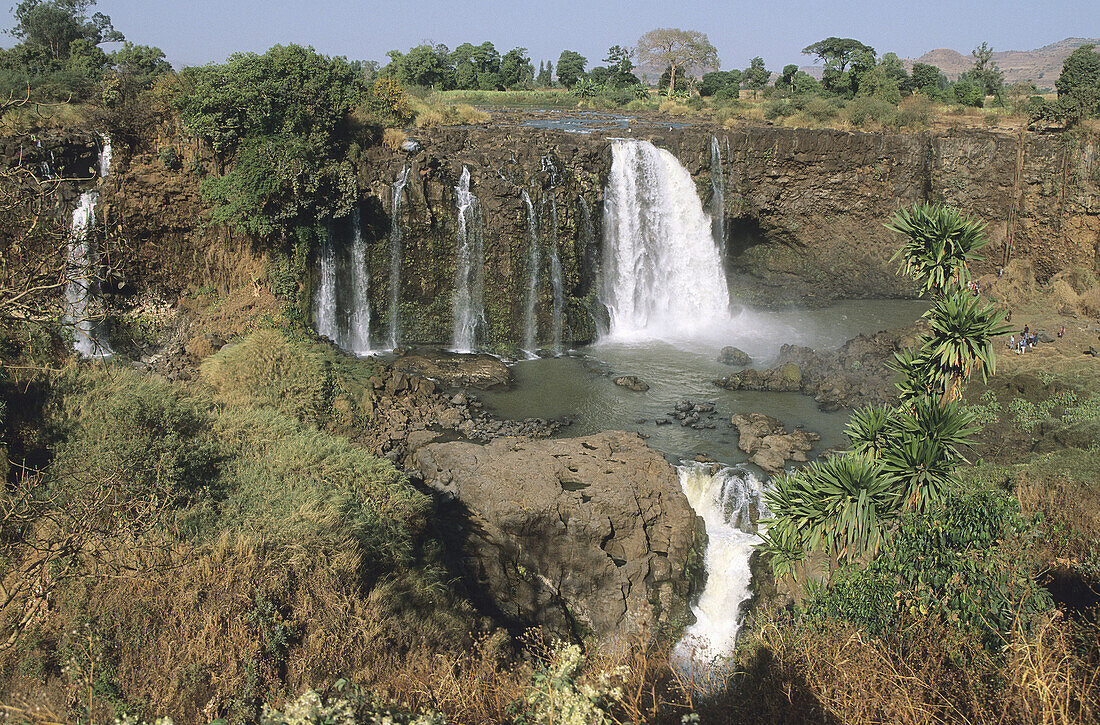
x,y
837,54
677,49
928,80
570,67
620,63
516,70
900,459
53,25
985,74
424,65
968,93
756,76
1079,84
139,64
719,80
786,79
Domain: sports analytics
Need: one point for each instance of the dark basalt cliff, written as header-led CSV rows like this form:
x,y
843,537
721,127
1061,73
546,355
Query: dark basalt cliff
x,y
804,213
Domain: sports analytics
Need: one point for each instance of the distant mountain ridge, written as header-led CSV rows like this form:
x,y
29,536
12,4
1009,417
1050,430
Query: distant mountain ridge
x,y
1042,65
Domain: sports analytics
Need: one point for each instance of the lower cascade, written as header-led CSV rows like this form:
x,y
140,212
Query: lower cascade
x,y
80,287
726,498
662,274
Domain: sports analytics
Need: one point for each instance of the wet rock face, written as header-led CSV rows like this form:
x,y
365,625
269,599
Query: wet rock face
x,y
586,536
854,376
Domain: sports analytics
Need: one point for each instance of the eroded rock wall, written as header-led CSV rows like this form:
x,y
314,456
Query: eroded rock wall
x,y
804,213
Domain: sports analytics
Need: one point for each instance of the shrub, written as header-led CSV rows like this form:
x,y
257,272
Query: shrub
x,y
820,109
867,109
170,158
915,111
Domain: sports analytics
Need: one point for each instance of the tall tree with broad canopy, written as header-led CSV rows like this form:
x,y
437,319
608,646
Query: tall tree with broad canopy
x,y
570,67
53,25
680,50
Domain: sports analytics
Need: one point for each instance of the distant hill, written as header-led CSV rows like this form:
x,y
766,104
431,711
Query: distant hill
x,y
1042,65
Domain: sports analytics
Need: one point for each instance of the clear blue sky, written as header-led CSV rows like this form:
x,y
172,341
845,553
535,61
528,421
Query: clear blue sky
x,y
193,32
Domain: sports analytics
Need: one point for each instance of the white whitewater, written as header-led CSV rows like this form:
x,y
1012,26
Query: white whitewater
x,y
358,337
395,256
469,311
727,499
324,301
105,156
530,319
80,286
718,197
662,276
556,286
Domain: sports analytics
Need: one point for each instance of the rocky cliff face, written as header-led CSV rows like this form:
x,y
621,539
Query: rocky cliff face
x,y
804,213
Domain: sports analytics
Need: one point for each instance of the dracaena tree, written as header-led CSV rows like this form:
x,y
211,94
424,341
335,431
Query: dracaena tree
x,y
904,458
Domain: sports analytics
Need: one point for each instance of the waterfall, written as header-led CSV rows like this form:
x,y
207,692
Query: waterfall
x,y
79,289
395,256
469,267
555,277
662,272
718,197
341,305
726,498
105,156
358,337
324,302
530,320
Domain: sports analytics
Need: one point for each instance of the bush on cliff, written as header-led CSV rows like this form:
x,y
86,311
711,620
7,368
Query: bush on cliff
x,y
282,116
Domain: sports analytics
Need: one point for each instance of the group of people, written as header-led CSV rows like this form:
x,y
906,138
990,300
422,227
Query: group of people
x,y
1028,340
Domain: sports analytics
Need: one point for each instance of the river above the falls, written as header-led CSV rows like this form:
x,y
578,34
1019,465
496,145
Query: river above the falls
x,y
579,385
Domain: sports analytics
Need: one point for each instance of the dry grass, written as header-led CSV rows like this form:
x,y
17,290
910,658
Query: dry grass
x,y
392,138
923,673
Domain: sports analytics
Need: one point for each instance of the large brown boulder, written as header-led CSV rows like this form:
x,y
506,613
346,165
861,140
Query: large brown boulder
x,y
586,536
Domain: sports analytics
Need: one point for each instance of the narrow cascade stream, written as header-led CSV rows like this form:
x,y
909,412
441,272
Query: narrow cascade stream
x,y
358,337
81,285
555,279
324,300
530,320
396,238
662,276
727,499
718,197
469,311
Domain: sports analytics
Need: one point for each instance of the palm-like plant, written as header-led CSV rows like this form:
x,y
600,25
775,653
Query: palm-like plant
x,y
940,242
962,335
869,430
838,505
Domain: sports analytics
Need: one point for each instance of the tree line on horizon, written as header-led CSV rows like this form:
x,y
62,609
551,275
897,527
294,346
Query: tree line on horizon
x,y
59,58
